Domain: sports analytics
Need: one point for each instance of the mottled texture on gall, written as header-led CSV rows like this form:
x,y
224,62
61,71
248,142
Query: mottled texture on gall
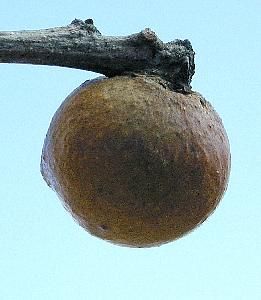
x,y
135,163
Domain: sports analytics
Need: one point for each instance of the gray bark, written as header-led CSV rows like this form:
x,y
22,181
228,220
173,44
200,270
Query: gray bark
x,y
80,45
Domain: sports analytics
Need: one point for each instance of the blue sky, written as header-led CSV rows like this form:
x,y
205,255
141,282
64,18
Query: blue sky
x,y
43,253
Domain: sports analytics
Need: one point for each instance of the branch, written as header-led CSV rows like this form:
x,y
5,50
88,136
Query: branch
x,y
80,45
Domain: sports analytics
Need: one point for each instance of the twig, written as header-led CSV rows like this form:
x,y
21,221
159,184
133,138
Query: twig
x,y
80,45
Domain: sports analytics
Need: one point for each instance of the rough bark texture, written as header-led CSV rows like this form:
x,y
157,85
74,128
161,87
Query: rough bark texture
x,y
80,45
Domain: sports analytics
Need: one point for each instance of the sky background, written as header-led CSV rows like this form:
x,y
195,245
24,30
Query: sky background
x,y
44,254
